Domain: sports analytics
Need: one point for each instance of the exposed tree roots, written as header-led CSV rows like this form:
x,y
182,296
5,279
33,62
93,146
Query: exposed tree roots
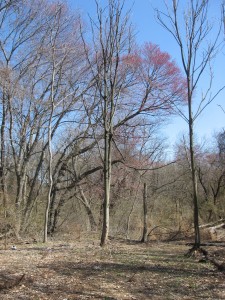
x,y
203,256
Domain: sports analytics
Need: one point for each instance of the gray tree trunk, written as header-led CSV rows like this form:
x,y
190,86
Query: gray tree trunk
x,y
145,215
107,182
194,181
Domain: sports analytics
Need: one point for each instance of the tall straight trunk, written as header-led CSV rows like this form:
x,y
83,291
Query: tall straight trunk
x,y
50,173
194,183
3,165
192,161
3,153
20,199
107,182
145,215
50,179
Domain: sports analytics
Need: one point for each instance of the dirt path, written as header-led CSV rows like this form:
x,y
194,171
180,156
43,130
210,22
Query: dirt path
x,y
121,271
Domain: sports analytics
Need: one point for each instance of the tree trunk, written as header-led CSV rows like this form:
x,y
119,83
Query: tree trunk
x,y
20,198
52,212
194,179
49,189
3,166
145,211
50,173
107,181
32,196
87,207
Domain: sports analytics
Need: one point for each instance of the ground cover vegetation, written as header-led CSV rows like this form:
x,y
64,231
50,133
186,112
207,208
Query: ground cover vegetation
x,y
82,154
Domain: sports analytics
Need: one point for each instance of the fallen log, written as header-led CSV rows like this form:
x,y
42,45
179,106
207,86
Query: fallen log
x,y
210,244
212,224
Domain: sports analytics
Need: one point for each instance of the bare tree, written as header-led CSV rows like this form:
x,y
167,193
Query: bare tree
x,y
128,82
112,39
211,175
12,42
64,92
44,78
191,30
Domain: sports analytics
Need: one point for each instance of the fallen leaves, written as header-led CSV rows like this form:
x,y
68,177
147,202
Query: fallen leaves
x,y
83,270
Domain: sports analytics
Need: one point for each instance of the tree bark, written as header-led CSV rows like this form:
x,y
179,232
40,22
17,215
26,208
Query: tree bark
x,y
3,166
145,215
87,207
50,181
107,182
193,168
50,156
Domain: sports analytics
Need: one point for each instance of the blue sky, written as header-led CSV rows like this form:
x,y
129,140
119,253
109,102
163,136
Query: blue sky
x,y
148,30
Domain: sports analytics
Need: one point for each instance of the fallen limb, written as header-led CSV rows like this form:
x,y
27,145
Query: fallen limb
x,y
212,224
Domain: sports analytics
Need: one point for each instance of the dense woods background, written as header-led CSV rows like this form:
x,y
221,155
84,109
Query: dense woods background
x,y
82,105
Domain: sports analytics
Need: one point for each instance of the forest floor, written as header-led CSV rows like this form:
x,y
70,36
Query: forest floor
x,y
122,270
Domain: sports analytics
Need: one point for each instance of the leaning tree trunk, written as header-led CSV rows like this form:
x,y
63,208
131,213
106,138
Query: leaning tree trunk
x,y
88,210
